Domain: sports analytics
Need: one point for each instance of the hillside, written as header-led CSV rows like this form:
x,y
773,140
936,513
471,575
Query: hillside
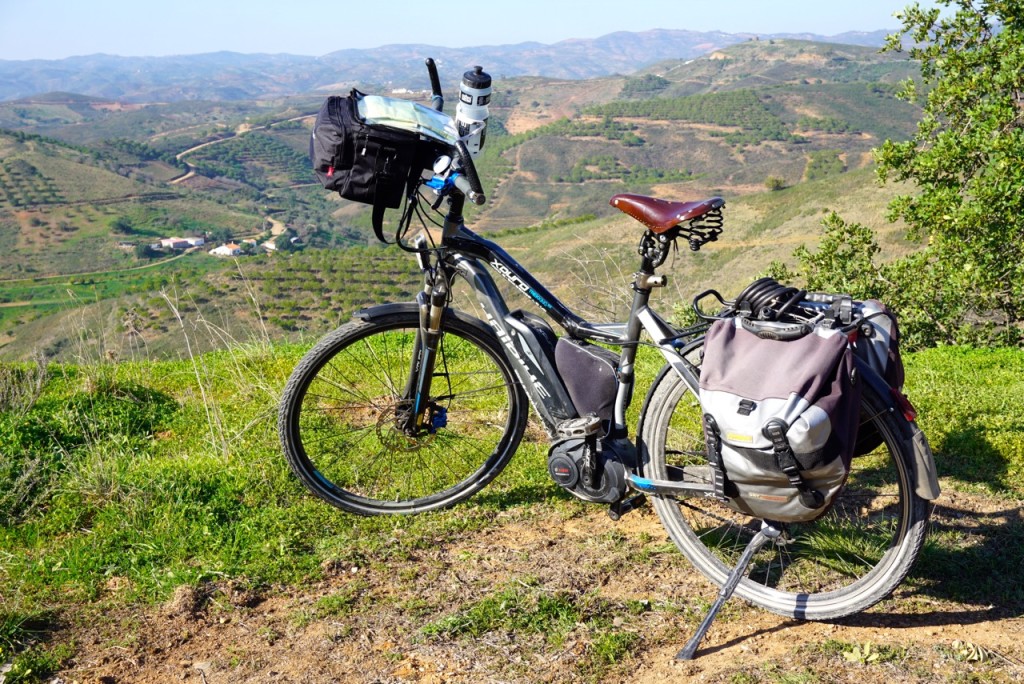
x,y
302,295
766,62
60,205
81,177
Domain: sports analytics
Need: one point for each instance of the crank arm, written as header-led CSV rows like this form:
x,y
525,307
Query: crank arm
x,y
670,487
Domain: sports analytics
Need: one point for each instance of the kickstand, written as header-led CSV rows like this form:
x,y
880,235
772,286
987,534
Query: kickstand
x,y
767,531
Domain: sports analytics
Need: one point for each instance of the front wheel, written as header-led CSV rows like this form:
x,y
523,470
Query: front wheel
x,y
343,419
853,556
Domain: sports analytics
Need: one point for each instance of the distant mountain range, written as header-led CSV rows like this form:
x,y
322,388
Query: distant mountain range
x,y
234,76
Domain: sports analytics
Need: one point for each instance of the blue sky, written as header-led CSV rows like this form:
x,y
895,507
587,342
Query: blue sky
x,y
54,29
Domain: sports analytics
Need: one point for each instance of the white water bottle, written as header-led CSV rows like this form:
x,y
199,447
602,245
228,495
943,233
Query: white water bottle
x,y
471,113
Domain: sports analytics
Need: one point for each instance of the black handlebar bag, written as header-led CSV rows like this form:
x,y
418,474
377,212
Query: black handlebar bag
x,y
367,163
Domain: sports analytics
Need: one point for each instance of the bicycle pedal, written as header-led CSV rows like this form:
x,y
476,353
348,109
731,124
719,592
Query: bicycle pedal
x,y
621,508
575,428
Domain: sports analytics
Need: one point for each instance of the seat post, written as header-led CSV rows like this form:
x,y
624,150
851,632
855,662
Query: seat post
x,y
643,282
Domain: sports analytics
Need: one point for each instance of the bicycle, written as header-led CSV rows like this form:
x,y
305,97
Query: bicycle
x,y
414,407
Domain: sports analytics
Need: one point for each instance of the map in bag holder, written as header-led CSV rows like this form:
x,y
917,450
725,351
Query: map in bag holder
x,y
391,112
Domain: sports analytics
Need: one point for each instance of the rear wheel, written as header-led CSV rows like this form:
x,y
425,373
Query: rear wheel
x,y
342,415
842,563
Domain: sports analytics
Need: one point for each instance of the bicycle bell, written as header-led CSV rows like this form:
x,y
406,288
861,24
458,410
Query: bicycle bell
x,y
471,113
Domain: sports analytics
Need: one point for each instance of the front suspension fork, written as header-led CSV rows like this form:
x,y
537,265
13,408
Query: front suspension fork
x,y
432,301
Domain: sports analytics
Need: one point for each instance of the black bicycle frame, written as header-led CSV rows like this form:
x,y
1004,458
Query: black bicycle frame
x,y
462,253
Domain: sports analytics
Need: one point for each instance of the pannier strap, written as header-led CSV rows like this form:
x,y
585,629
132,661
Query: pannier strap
x,y
713,446
775,430
379,205
377,217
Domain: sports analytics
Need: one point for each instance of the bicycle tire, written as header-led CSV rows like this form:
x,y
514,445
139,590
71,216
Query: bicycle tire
x,y
338,415
844,562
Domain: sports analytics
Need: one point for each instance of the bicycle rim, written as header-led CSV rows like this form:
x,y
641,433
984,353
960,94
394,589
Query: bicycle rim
x,y
841,563
341,417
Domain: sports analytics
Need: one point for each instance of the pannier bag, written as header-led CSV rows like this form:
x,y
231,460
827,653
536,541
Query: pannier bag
x,y
373,149
780,419
877,341
872,326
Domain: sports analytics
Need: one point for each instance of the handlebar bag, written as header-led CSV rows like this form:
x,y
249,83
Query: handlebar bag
x,y
780,418
367,162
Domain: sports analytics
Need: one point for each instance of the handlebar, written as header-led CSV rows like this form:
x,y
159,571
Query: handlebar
x,y
463,185
476,190
467,182
436,98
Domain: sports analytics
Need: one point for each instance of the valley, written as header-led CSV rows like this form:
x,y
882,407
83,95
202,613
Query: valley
x,y
150,527
782,129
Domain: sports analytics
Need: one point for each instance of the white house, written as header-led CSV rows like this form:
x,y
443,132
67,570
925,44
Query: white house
x,y
182,243
174,243
228,250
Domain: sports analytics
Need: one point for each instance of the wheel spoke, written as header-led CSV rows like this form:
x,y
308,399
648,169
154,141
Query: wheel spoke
x,y
344,419
842,562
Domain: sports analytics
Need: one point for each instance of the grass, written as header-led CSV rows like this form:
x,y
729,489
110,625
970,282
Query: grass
x,y
148,476
521,609
528,611
109,284
147,487
969,402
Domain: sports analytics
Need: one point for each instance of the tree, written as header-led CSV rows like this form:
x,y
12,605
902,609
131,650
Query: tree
x,y
844,261
220,234
145,251
122,225
967,161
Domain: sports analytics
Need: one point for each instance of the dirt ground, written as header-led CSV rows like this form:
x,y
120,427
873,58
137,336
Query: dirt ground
x,y
225,633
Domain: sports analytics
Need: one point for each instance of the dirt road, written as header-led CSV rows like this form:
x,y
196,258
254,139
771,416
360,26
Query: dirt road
x,y
369,619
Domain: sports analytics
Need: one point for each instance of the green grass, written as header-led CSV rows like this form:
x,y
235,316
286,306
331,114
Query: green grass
x,y
969,403
40,297
518,608
156,475
530,611
104,285
181,481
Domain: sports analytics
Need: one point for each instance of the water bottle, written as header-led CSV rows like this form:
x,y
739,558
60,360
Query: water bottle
x,y
471,113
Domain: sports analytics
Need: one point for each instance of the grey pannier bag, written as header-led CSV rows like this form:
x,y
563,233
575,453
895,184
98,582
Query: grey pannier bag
x,y
780,417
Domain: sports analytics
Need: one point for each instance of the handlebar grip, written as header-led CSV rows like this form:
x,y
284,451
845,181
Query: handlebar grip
x,y
464,186
437,99
773,330
469,169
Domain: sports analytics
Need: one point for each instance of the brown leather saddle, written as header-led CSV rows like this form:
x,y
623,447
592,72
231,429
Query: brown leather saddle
x,y
662,215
